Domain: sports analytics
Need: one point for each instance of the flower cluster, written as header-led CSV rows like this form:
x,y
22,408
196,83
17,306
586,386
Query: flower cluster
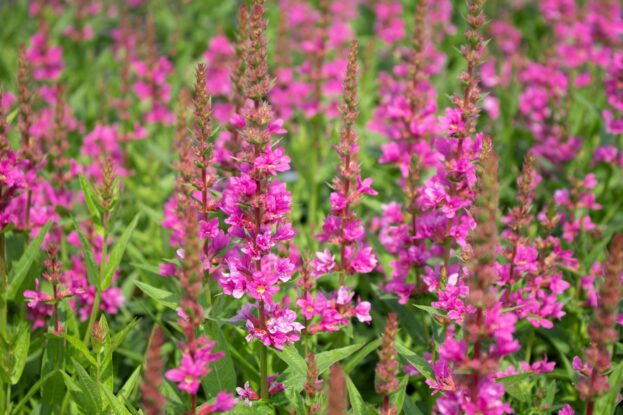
x,y
532,272
197,350
257,204
342,228
387,368
591,379
152,84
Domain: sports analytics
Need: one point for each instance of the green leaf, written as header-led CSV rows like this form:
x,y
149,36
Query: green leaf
x,y
550,395
256,409
130,384
12,115
356,401
29,257
171,393
32,390
518,386
81,347
119,337
117,253
20,352
92,200
514,379
295,376
89,259
608,402
433,311
105,357
417,361
53,391
223,374
411,408
115,404
360,355
398,398
326,359
161,296
89,388
79,396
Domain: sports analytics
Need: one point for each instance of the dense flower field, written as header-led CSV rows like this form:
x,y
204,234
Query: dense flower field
x,y
311,207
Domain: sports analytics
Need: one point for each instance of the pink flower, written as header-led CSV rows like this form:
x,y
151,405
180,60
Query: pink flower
x,y
323,263
222,403
566,410
364,261
247,394
188,375
37,296
362,311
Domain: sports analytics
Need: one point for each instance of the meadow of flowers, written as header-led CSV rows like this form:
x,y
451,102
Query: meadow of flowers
x,y
311,207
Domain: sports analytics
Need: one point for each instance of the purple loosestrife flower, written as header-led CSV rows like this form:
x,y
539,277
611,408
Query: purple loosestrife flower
x,y
389,24
342,228
602,331
197,175
153,401
223,402
257,204
46,60
197,351
532,274
575,206
41,304
152,85
314,86
406,114
12,180
228,142
248,394
444,198
613,117
387,367
407,118
468,381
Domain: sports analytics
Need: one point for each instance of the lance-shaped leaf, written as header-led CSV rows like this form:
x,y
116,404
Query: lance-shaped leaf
x,y
92,200
29,257
20,348
417,361
117,253
89,258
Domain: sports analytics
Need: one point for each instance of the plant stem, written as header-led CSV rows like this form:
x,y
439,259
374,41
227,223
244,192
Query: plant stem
x,y
93,316
264,373
530,343
4,287
263,359
208,290
98,289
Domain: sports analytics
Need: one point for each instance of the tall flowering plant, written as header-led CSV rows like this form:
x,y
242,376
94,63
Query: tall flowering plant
x,y
342,228
257,206
477,260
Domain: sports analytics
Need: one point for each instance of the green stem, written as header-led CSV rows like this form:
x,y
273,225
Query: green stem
x,y
93,316
4,288
263,359
530,344
264,373
313,177
98,292
208,290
